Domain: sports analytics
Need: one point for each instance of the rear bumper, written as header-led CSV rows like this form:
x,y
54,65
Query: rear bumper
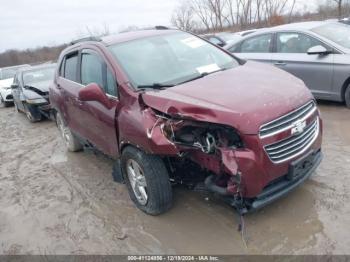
x,y
278,188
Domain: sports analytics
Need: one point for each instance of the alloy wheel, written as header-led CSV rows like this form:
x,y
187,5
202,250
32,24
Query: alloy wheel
x,y
137,181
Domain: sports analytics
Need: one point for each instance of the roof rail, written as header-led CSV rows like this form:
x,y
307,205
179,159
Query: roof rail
x,y
89,38
161,27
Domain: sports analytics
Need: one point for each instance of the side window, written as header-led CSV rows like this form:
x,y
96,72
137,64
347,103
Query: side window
x,y
111,87
15,80
257,44
234,48
61,69
94,70
91,69
295,43
70,67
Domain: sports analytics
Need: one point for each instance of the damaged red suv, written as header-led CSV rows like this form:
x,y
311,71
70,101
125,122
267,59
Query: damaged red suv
x,y
170,108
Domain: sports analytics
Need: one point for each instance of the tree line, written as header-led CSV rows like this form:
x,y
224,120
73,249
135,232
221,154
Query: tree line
x,y
30,56
200,16
234,15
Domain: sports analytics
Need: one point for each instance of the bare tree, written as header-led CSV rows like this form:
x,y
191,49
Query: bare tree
x,y
339,6
97,31
183,17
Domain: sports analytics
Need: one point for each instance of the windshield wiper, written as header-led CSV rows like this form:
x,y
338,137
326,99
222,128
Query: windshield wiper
x,y
155,86
201,76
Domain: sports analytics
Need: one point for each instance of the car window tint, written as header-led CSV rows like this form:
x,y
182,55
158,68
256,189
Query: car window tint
x,y
295,43
111,85
234,48
70,68
91,70
258,44
94,70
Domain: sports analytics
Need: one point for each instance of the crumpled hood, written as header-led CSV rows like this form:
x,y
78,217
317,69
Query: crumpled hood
x,y
42,86
244,97
37,90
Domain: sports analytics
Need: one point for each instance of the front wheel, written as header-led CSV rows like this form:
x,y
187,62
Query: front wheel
x,y
147,180
71,141
32,113
347,97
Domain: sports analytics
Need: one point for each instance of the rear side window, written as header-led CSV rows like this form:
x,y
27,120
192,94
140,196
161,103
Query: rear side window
x,y
257,44
70,67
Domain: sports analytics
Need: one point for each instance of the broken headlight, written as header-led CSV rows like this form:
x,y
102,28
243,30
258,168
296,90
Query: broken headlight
x,y
36,101
204,136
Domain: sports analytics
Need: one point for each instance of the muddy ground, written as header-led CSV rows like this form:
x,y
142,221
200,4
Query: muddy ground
x,y
54,202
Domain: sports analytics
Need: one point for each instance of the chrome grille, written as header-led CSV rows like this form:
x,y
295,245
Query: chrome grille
x,y
286,122
293,146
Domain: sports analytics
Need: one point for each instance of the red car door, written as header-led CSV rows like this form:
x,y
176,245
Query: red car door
x,y
68,85
98,121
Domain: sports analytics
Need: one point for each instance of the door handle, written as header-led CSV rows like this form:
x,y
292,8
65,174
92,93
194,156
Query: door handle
x,y
280,63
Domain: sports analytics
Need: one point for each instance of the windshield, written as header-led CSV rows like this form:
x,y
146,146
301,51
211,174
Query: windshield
x,y
170,59
38,75
336,32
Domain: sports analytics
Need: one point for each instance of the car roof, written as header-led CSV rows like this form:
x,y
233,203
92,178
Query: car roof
x,y
130,36
301,26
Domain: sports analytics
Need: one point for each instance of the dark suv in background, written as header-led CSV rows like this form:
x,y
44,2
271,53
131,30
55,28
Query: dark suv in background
x,y
171,107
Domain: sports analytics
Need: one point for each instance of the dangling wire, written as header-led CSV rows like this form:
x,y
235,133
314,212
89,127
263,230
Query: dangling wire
x,y
241,228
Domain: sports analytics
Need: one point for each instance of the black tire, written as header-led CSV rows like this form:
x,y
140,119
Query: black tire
x,y
71,141
32,113
156,175
347,97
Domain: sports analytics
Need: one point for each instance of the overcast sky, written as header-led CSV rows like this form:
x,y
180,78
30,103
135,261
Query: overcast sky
x,y
27,24
33,23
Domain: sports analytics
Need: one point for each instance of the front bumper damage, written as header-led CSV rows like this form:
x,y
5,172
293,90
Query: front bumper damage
x,y
280,187
234,166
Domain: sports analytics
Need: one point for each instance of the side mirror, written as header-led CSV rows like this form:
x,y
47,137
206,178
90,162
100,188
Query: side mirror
x,y
93,92
318,50
14,86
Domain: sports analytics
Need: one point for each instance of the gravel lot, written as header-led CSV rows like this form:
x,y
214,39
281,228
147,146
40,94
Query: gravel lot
x,y
54,202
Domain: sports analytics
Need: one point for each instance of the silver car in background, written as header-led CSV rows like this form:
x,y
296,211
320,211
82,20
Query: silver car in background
x,y
316,52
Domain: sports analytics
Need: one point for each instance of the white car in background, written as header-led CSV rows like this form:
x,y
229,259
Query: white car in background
x,y
6,79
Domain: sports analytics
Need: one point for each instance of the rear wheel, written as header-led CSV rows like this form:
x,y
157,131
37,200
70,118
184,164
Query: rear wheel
x,y
347,97
147,180
71,141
